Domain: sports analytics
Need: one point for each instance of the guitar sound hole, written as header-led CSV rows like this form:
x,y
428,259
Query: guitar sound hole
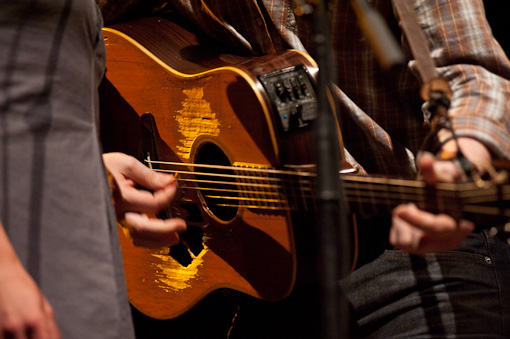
x,y
218,188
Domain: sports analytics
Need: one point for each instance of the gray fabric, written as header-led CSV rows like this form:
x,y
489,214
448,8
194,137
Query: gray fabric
x,y
54,198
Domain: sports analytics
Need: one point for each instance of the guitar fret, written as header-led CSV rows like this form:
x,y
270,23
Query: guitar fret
x,y
255,193
302,189
243,193
262,193
374,207
279,192
289,191
261,189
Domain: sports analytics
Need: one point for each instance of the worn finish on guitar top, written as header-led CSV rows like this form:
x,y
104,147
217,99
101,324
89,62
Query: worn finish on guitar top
x,y
168,96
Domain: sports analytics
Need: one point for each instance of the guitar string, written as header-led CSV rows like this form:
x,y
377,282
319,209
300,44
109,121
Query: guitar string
x,y
355,193
469,188
299,174
310,174
472,189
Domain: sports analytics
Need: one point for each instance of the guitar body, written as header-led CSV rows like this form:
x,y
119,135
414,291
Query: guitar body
x,y
168,97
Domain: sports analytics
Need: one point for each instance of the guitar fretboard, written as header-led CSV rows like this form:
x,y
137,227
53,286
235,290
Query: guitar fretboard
x,y
272,189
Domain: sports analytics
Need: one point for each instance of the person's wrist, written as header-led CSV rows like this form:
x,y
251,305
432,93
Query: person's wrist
x,y
472,149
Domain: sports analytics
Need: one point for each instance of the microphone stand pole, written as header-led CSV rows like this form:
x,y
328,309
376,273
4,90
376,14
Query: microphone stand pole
x,y
332,227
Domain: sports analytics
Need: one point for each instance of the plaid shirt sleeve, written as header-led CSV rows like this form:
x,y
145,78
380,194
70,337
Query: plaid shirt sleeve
x,y
468,56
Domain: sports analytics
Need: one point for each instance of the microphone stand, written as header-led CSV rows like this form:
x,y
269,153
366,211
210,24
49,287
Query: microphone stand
x,y
332,226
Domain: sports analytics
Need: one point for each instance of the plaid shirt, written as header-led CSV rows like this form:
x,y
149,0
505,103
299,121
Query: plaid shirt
x,y
384,121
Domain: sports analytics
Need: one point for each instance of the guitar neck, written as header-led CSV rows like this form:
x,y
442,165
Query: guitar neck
x,y
294,190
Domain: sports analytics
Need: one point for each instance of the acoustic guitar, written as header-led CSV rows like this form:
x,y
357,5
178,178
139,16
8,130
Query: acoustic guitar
x,y
237,132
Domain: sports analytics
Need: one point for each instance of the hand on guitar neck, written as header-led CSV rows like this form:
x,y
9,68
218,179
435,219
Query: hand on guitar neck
x,y
419,232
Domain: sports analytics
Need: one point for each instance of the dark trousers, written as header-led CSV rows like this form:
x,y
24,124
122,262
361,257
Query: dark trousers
x,y
457,294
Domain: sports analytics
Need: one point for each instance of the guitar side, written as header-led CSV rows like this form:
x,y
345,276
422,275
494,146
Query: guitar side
x,y
216,108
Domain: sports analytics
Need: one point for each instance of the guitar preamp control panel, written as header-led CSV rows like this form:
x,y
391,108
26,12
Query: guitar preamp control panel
x,y
292,95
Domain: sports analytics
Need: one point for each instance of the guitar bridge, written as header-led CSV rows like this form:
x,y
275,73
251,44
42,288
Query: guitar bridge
x,y
292,95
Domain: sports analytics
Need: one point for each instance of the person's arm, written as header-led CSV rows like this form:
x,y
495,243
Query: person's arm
x,y
24,311
134,205
478,72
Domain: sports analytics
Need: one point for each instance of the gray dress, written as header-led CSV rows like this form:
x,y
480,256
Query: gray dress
x,y
54,198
